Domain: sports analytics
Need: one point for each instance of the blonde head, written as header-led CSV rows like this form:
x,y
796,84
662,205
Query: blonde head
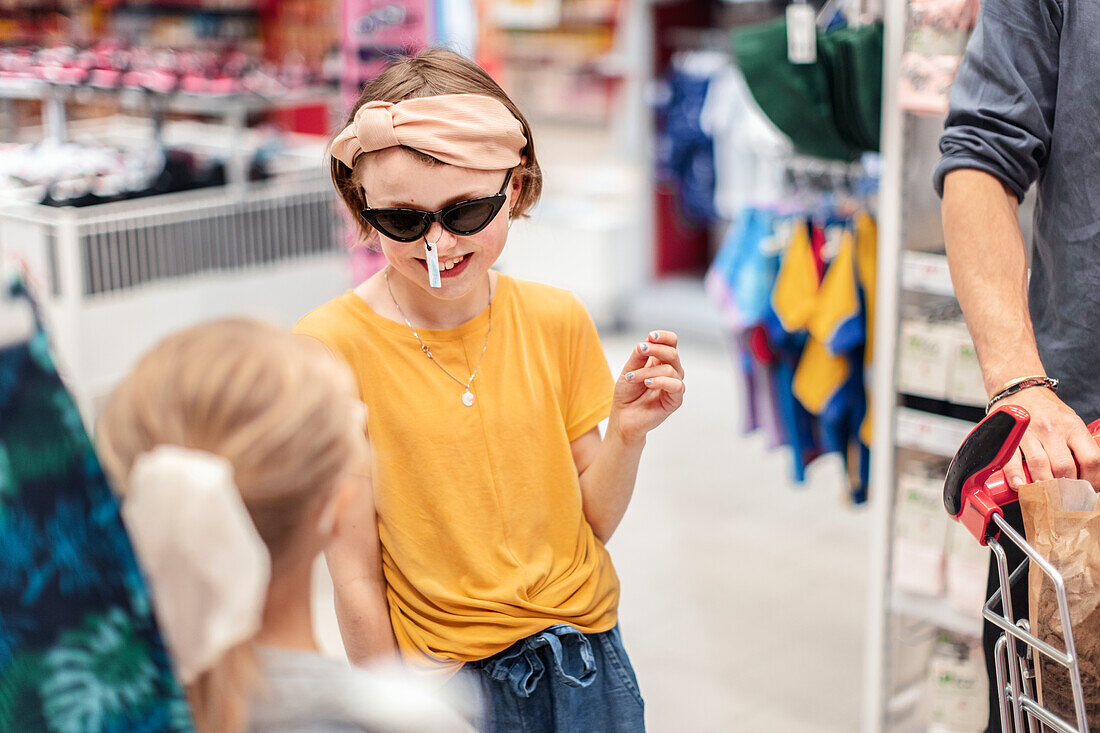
x,y
281,410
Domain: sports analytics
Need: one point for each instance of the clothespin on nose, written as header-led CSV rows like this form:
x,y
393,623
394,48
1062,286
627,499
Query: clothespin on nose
x,y
430,250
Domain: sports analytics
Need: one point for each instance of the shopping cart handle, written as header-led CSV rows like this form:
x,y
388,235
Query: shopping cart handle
x,y
975,488
990,445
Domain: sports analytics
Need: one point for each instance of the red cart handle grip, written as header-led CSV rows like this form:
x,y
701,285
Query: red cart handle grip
x,y
975,488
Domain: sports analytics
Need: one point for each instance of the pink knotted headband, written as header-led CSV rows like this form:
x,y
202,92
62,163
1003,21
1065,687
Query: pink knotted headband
x,y
467,130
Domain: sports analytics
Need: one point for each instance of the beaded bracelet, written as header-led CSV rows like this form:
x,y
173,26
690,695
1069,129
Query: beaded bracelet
x,y
1013,386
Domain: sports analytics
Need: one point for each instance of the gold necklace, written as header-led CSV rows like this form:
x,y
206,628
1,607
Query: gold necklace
x,y
468,395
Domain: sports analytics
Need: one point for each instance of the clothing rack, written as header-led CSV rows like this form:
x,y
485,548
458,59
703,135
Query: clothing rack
x,y
824,175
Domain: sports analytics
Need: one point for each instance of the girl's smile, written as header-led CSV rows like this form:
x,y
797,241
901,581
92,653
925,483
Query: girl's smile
x,y
452,267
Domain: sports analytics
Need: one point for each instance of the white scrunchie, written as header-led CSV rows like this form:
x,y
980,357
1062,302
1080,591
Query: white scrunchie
x,y
208,567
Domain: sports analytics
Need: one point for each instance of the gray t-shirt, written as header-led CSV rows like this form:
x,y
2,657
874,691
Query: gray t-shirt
x,y
309,693
1025,107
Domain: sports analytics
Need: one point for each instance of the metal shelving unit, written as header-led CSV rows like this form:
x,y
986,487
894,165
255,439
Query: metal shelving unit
x,y
115,277
906,275
231,109
936,611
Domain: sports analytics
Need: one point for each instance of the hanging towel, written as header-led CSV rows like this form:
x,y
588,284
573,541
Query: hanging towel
x,y
796,285
831,108
866,267
79,646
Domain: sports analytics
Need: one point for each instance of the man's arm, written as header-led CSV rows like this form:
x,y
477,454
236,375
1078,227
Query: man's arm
x,y
988,261
355,561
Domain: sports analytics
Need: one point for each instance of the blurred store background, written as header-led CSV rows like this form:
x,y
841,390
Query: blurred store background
x,y
752,175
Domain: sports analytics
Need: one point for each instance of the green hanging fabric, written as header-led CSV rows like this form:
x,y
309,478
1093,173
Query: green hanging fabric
x,y
830,108
853,58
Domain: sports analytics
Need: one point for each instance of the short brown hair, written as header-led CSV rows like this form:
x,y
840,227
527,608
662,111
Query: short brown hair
x,y
428,73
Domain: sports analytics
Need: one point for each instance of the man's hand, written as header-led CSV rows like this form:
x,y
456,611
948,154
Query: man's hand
x,y
1056,445
981,226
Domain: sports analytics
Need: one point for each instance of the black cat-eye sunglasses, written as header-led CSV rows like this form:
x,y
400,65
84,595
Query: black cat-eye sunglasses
x,y
463,218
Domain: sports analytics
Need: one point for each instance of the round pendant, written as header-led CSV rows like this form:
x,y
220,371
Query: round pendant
x,y
468,399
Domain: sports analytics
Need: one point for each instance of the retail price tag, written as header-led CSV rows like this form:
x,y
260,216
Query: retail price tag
x,y
801,33
433,264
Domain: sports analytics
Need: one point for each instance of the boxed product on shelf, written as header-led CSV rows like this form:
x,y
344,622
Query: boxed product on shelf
x,y
923,364
965,383
958,691
920,531
967,571
937,34
911,650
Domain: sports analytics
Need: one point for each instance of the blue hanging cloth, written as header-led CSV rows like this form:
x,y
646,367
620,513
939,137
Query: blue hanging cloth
x,y
79,646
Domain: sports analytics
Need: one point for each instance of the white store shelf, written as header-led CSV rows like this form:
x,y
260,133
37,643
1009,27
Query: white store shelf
x,y
930,433
937,611
176,101
906,698
924,272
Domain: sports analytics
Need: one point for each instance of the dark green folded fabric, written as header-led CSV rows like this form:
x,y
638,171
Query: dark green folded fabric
x,y
853,58
829,109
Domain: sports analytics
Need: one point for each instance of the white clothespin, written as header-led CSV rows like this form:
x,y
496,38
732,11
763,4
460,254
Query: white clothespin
x,y
433,264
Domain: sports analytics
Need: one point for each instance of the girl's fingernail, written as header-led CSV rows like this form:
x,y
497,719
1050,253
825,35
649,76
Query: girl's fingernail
x,y
629,376
645,347
654,335
648,382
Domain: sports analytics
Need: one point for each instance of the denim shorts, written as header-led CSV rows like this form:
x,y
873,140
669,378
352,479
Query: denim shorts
x,y
559,681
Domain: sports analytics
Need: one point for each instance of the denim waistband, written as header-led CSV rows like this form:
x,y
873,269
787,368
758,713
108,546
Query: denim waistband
x,y
521,666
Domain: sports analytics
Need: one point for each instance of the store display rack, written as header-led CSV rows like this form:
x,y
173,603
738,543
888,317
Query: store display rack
x,y
153,265
906,277
233,109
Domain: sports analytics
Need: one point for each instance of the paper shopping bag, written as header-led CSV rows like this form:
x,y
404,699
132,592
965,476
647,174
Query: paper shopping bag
x,y
1062,523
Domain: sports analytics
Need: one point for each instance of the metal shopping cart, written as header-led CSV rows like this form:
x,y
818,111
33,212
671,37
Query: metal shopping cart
x,y
973,493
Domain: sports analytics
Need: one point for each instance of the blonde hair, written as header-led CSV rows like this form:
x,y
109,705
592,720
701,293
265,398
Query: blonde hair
x,y
281,410
431,72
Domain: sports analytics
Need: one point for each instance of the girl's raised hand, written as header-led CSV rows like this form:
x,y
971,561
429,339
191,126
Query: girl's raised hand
x,y
650,387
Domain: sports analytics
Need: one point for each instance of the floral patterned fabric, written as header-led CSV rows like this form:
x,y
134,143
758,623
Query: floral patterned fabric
x,y
79,648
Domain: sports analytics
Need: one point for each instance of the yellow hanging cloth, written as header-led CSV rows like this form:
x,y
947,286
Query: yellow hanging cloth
x,y
819,376
820,373
866,268
794,296
838,297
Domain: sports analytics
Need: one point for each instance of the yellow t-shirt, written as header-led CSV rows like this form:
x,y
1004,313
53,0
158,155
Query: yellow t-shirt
x,y
484,539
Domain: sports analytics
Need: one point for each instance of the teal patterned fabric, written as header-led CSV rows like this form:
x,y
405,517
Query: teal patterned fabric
x,y
79,647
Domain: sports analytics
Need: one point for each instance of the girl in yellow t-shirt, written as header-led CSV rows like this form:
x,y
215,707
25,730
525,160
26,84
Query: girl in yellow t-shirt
x,y
494,492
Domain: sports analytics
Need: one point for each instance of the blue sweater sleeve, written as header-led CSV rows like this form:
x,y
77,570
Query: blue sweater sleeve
x,y
1002,102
